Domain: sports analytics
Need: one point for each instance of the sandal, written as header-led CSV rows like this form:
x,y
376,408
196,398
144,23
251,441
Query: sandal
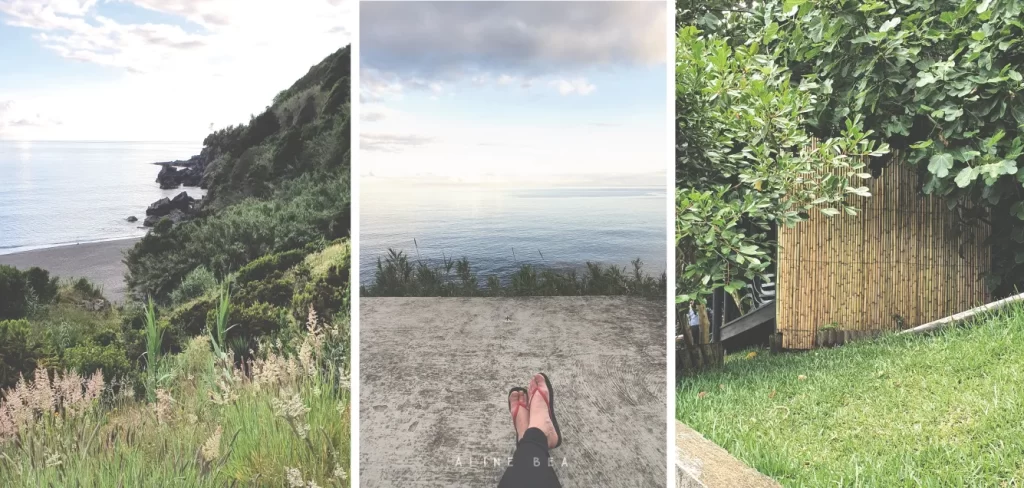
x,y
549,398
515,408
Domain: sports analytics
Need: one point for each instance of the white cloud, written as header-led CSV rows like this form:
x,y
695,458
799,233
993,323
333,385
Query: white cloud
x,y
171,82
579,86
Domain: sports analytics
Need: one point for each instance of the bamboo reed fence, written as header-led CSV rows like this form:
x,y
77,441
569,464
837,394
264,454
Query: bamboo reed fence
x,y
902,261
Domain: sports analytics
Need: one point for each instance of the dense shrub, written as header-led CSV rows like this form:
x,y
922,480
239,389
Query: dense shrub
x,y
304,211
197,283
14,293
263,267
275,290
89,358
327,294
192,318
44,286
251,322
86,288
19,352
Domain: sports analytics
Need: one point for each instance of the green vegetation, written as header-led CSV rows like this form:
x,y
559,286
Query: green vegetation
x,y
939,81
746,162
396,276
229,364
939,410
278,184
22,291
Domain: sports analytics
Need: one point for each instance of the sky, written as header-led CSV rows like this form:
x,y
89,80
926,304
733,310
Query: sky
x,y
502,92
154,70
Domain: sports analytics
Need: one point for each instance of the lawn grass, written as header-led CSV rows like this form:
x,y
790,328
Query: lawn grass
x,y
940,410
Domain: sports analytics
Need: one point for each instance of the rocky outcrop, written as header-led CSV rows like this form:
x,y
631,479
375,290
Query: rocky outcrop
x,y
177,209
185,172
175,216
170,177
132,219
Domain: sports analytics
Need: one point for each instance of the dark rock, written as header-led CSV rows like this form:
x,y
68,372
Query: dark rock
x,y
182,201
191,177
169,177
132,219
177,209
160,207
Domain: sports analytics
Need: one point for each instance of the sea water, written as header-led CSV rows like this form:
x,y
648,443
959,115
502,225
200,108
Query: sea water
x,y
501,227
54,193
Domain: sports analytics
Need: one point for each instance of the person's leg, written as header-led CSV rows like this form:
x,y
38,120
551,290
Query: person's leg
x,y
531,465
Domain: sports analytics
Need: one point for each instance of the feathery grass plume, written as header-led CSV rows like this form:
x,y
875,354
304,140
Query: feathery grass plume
x,y
30,402
211,448
162,406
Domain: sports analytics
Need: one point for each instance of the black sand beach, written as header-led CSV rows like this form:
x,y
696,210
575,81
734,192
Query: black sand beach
x,y
100,262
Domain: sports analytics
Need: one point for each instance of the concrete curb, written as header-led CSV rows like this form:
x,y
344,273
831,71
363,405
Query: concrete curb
x,y
701,463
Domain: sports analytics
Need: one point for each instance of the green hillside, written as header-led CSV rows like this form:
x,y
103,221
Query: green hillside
x,y
229,364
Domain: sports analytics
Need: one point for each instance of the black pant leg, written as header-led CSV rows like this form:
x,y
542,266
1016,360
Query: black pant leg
x,y
530,464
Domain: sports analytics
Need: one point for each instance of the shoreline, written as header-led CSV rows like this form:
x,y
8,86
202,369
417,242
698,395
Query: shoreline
x,y
10,251
101,262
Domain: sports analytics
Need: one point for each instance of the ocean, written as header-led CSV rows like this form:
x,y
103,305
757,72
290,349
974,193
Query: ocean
x,y
55,193
500,228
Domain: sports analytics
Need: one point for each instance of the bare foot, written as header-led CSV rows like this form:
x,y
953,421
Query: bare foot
x,y
540,416
518,407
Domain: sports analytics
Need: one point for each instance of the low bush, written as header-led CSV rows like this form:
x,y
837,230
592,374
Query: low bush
x,y
263,267
192,318
19,352
86,289
250,323
197,283
276,290
14,293
110,359
397,276
45,287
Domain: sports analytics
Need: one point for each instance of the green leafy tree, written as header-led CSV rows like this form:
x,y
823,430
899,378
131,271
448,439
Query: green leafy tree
x,y
747,162
939,80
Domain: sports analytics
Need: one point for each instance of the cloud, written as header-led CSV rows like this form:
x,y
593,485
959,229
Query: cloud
x,y
76,29
212,13
392,142
16,115
579,86
447,39
203,61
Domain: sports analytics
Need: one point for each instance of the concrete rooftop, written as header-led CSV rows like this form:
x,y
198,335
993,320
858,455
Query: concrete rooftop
x,y
435,374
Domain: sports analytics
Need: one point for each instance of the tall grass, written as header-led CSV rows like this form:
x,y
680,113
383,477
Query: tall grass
x,y
268,422
154,341
397,276
219,332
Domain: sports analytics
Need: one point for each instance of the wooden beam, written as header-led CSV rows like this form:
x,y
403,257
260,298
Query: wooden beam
x,y
962,316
